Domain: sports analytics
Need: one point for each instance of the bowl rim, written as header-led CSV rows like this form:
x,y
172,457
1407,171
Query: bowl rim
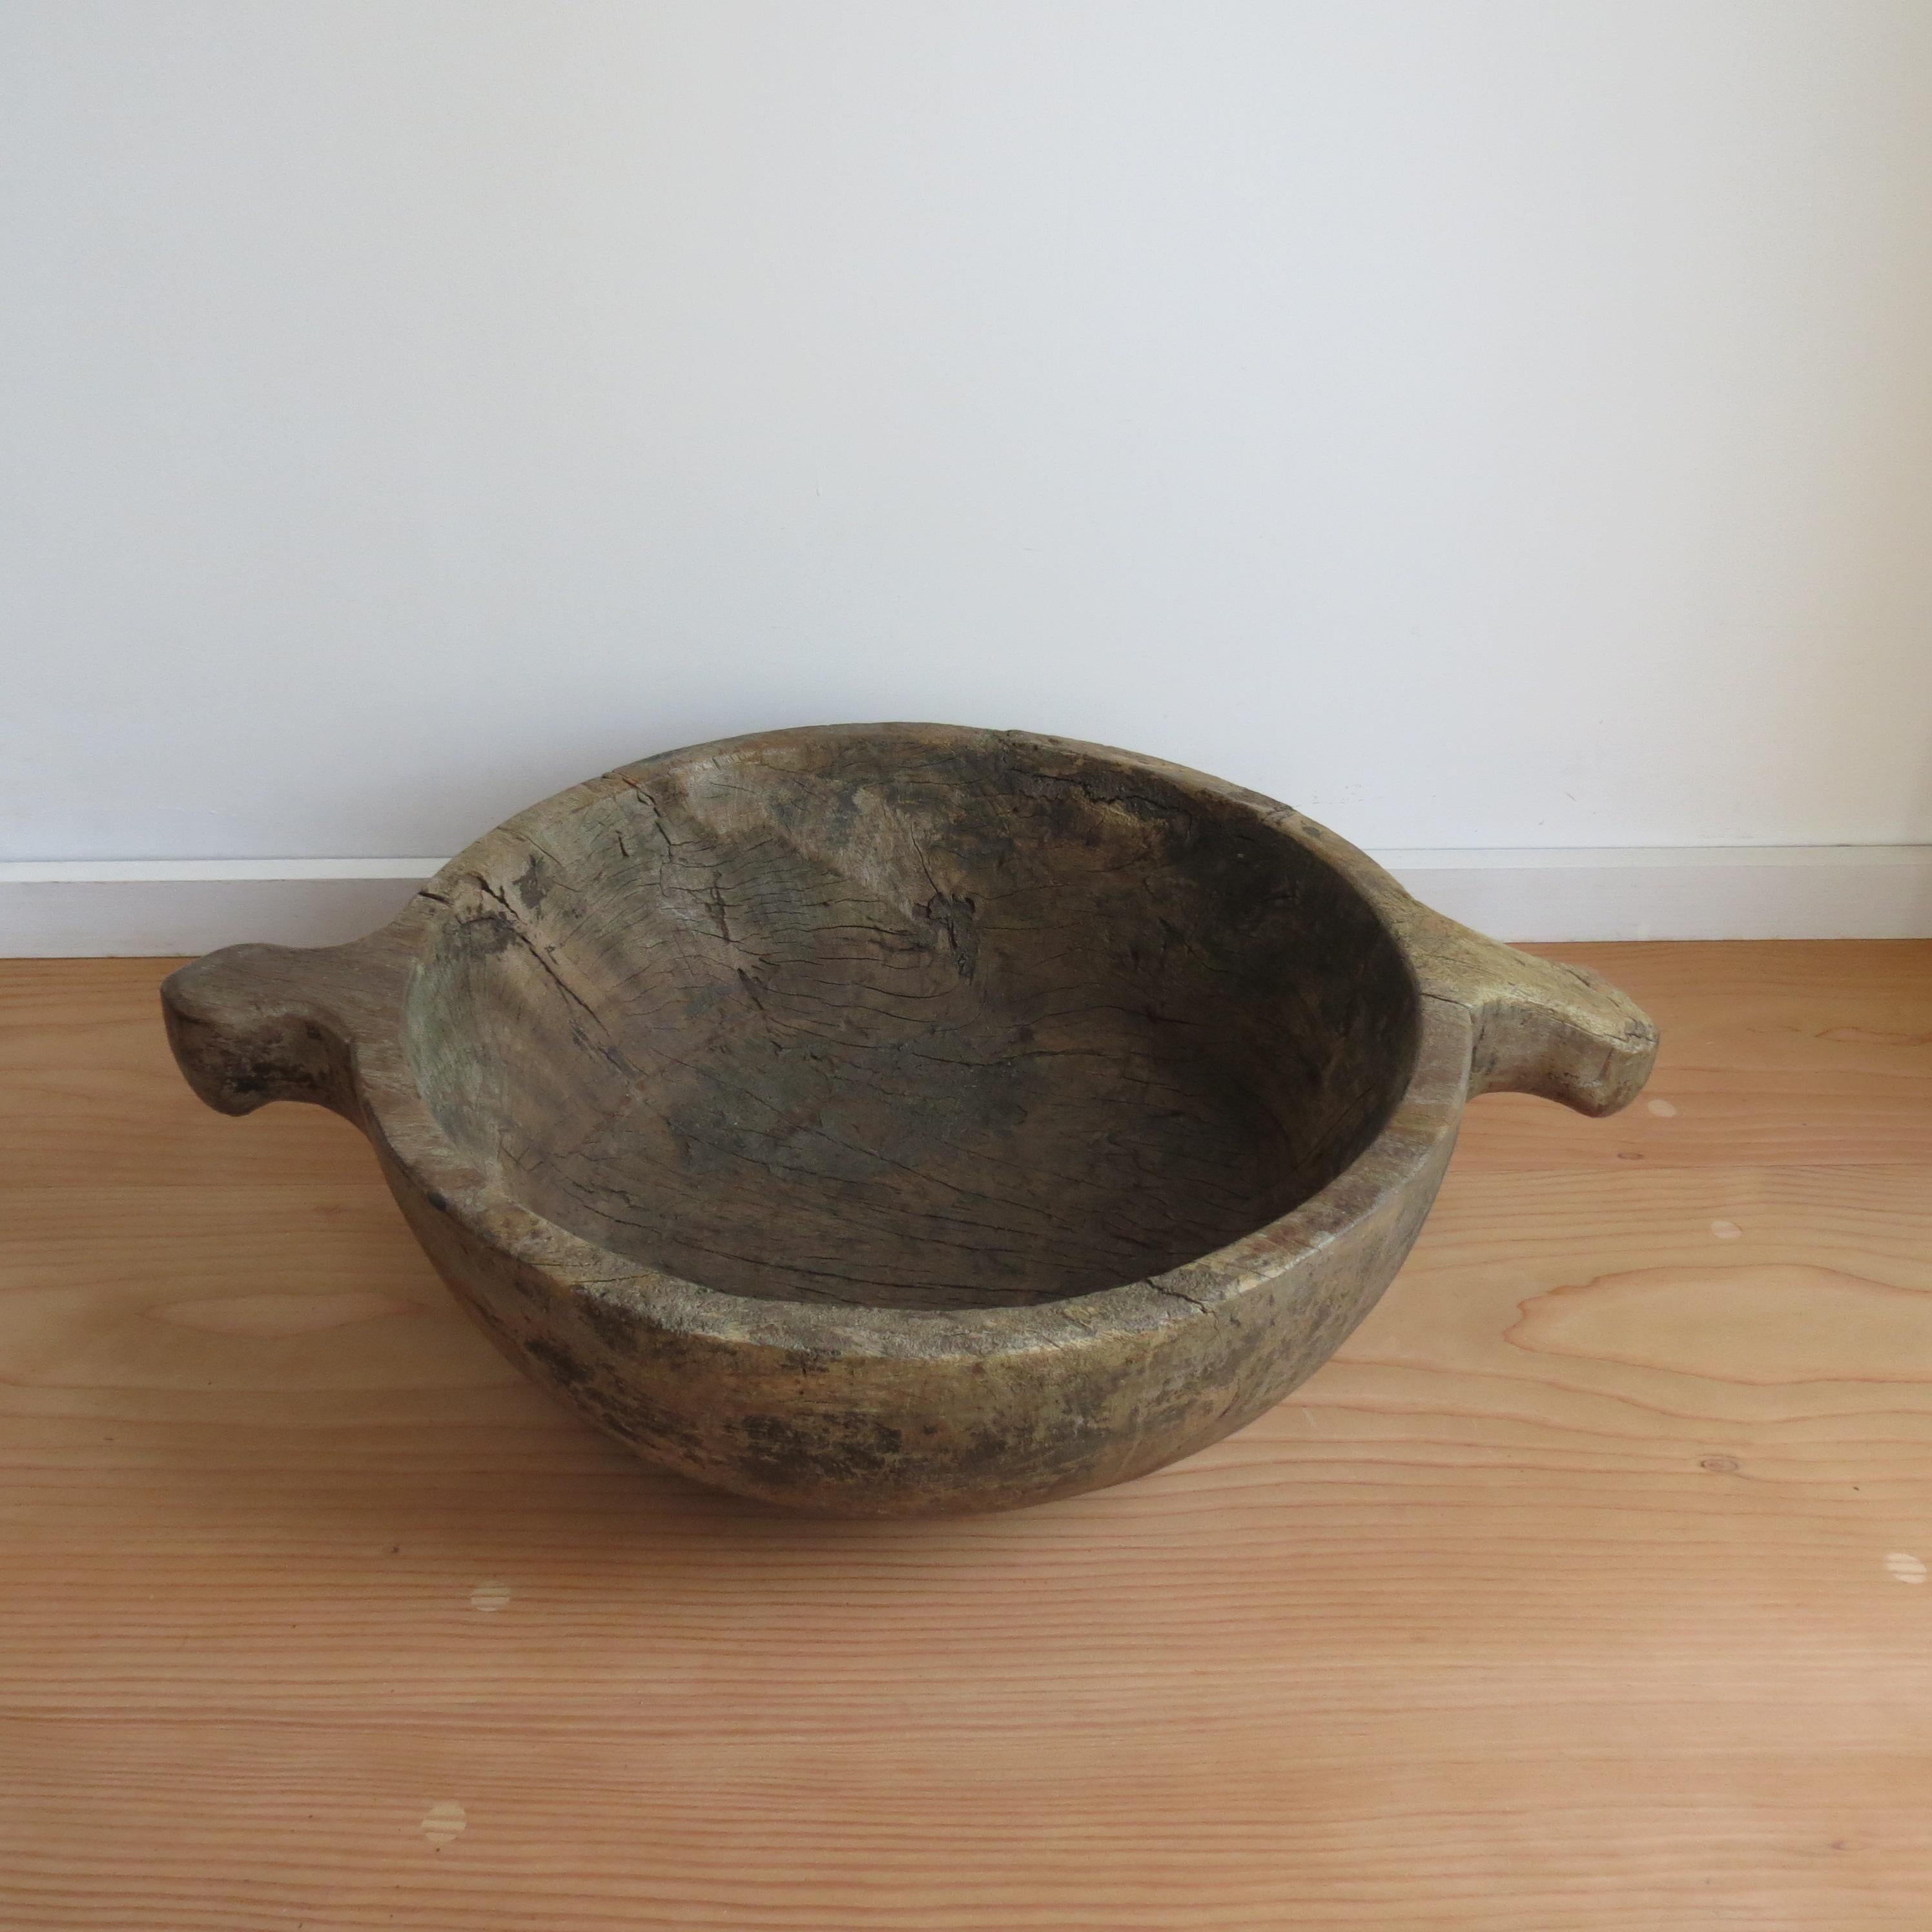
x,y
1406,1148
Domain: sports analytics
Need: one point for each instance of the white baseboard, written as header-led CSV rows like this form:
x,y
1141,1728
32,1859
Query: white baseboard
x,y
1668,892
58,910
156,907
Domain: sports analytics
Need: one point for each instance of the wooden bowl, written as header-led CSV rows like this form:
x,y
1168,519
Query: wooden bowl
x,y
894,1119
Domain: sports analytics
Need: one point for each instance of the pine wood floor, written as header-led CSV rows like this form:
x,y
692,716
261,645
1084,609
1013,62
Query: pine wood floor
x,y
1584,1589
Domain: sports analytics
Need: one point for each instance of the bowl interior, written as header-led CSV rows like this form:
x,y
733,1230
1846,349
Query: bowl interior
x,y
906,1018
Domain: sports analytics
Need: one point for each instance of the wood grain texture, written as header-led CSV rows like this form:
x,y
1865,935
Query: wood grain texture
x,y
1576,1593
908,1119
904,1017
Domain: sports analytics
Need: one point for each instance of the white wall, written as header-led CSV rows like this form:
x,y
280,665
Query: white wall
x,y
1498,424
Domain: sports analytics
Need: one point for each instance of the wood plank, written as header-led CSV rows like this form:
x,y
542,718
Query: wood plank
x,y
89,1092
1580,1591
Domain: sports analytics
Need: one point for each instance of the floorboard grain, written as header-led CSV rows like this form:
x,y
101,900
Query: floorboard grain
x,y
1584,1590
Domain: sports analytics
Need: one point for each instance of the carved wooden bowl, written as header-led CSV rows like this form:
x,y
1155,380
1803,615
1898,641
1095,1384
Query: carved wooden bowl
x,y
892,1119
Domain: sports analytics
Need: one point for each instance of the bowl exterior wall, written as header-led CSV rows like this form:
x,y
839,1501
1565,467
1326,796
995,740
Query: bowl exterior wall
x,y
1121,1384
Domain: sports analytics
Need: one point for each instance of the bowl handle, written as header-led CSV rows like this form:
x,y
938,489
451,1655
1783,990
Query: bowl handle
x,y
1540,1027
253,1024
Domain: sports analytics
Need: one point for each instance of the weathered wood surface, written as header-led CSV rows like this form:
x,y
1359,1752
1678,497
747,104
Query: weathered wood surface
x,y
949,1026
1577,1594
908,1118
